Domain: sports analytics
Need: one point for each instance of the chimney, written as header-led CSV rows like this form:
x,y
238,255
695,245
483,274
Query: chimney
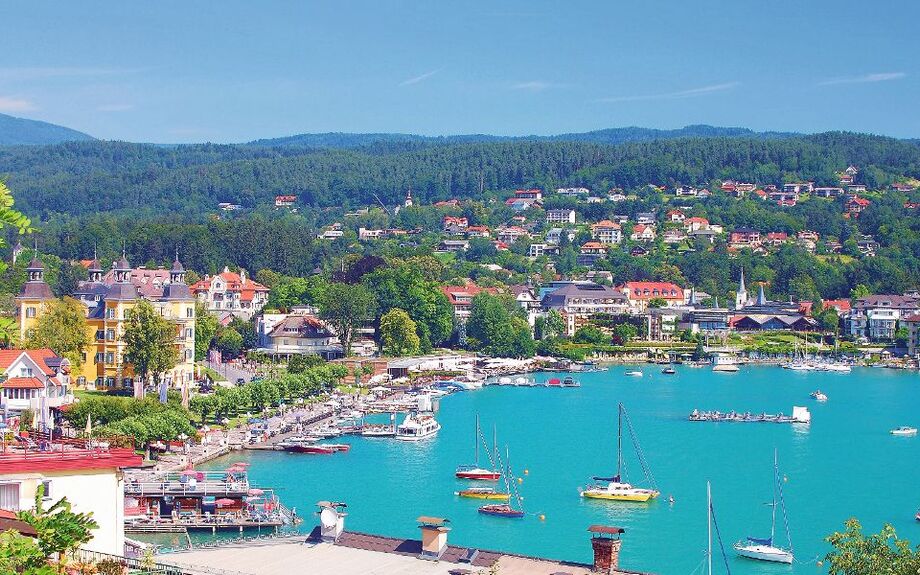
x,y
434,537
606,543
331,520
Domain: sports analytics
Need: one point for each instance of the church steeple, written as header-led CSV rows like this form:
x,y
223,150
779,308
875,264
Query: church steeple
x,y
761,298
122,268
741,297
35,287
408,202
177,273
95,269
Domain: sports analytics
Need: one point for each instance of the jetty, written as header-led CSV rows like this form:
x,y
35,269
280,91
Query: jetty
x,y
799,415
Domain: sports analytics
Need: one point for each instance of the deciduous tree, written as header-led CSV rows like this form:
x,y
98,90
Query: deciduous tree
x,y
62,327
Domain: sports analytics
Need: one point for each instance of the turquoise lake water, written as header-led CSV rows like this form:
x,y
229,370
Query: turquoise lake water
x,y
844,464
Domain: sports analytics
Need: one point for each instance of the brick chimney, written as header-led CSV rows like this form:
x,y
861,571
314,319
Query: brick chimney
x,y
606,543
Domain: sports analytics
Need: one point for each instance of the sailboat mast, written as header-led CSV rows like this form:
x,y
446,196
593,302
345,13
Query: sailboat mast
x,y
709,525
476,440
775,482
619,441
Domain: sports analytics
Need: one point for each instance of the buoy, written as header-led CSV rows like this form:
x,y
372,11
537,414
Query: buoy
x,y
526,472
542,517
785,478
520,480
820,563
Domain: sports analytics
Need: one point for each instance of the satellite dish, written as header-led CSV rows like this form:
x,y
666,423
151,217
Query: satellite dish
x,y
328,517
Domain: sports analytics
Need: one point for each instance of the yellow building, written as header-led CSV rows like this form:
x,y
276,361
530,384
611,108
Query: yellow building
x,y
108,304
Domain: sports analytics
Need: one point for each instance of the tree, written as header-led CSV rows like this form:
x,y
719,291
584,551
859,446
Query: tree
x,y
229,342
347,307
205,329
555,325
657,302
859,291
247,330
397,333
901,336
60,530
302,363
858,554
496,328
62,327
623,333
150,342
591,334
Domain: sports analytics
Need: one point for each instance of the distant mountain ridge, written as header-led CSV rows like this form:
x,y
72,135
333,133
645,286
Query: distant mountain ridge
x,y
22,132
610,136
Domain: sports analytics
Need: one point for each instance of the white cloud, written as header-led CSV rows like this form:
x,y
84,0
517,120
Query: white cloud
x,y
531,86
691,93
115,107
865,78
13,104
419,78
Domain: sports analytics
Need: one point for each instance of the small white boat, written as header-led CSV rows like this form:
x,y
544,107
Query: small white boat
x,y
838,367
818,395
763,549
633,373
416,427
904,430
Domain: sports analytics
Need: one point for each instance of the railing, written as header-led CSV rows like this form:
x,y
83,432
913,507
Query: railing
x,y
148,488
134,566
39,446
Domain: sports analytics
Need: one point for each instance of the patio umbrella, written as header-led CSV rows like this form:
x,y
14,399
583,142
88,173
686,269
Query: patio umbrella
x,y
189,473
224,502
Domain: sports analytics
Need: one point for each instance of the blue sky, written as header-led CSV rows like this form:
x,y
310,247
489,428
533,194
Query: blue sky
x,y
230,71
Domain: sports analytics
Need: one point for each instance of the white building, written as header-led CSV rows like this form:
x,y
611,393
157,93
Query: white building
x,y
607,232
231,292
90,479
560,216
33,379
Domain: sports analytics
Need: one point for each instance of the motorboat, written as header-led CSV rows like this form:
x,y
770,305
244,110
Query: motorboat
x,y
613,488
417,426
837,367
904,431
764,549
818,395
483,493
633,373
569,381
475,472
306,446
669,370
723,363
501,510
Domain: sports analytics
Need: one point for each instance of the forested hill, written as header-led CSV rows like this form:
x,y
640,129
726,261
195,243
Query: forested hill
x,y
20,131
611,136
85,177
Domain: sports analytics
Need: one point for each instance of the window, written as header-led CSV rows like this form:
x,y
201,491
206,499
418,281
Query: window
x,y
110,313
190,312
188,333
9,496
100,334
25,371
110,334
46,490
30,312
100,357
109,357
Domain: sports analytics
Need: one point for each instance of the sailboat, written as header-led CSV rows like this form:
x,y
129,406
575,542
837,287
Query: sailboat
x,y
506,509
475,472
710,523
764,549
615,489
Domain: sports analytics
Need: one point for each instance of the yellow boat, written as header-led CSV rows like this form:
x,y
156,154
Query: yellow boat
x,y
615,491
612,488
483,493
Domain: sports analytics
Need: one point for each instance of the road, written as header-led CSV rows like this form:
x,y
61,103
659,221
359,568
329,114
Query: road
x,y
230,371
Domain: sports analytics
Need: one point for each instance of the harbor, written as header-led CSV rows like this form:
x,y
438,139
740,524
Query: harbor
x,y
559,440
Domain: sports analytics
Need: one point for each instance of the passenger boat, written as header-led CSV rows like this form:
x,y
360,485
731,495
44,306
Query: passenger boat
x,y
763,549
307,447
506,509
474,471
483,493
613,488
633,373
818,395
416,427
722,363
904,430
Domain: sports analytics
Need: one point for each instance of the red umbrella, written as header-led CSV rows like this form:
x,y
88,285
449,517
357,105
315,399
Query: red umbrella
x,y
190,472
224,502
554,381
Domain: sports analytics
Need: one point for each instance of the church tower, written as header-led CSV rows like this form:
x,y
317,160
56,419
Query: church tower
x,y
741,295
33,296
408,202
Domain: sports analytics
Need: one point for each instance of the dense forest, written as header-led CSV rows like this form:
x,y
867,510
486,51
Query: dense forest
x,y
93,177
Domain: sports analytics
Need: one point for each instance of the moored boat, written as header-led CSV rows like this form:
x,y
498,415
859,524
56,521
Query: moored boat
x,y
501,510
613,488
475,471
904,430
633,373
569,381
416,427
669,370
482,493
818,395
506,509
763,549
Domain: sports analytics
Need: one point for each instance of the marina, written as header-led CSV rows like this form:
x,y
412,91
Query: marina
x,y
560,439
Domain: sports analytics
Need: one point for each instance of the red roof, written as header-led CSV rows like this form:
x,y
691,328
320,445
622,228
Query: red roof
x,y
22,383
67,458
860,201
8,356
839,304
651,290
913,318
606,224
469,290
234,283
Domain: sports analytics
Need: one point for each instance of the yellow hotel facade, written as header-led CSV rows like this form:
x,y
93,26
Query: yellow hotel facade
x,y
108,301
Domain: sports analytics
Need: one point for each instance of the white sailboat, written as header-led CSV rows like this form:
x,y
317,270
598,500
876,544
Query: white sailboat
x,y
765,549
710,522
